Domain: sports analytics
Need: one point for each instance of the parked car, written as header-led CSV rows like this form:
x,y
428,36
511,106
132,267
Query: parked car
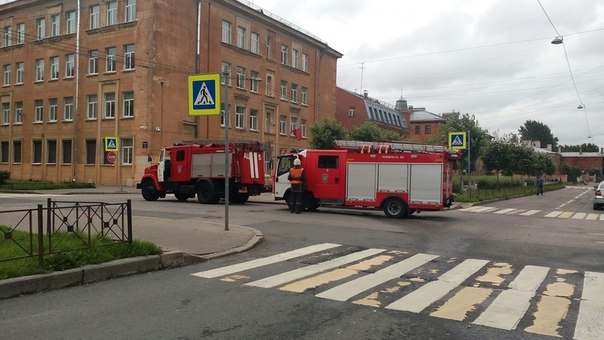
x,y
599,196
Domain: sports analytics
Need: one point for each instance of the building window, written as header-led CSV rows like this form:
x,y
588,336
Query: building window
x,y
55,25
40,28
240,37
8,36
283,90
304,62
269,46
70,19
93,62
38,111
226,32
4,152
90,151
95,16
51,151
303,128
255,47
304,96
68,108
66,151
54,68
239,117
17,151
226,68
270,84
295,58
294,93
268,122
283,54
18,112
127,151
428,129
255,82
111,60
130,14
293,125
109,105
19,75
129,57
253,120
53,107
351,111
21,33
69,65
128,98
6,72
111,13
240,77
282,123
36,156
417,129
39,69
5,113
91,109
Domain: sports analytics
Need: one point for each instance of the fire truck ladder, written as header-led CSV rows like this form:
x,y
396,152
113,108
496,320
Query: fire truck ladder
x,y
386,147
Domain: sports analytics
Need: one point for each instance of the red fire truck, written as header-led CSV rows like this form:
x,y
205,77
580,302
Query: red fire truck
x,y
398,178
198,168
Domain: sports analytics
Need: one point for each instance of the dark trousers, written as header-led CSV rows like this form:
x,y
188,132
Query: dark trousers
x,y
297,198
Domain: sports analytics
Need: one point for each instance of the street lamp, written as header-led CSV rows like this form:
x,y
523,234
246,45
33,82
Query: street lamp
x,y
558,40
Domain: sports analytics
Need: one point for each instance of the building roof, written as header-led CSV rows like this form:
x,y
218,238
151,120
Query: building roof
x,y
420,114
582,154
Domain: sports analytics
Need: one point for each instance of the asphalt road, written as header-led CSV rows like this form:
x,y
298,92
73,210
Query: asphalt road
x,y
544,258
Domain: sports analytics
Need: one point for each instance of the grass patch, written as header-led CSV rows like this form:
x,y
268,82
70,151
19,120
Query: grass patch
x,y
33,185
487,194
70,256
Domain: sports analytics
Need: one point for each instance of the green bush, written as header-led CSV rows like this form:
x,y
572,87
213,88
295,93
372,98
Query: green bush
x,y
4,176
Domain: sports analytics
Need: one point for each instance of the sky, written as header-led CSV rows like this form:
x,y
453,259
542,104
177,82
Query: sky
x,y
492,59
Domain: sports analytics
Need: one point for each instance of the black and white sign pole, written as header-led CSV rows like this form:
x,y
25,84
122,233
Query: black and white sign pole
x,y
227,154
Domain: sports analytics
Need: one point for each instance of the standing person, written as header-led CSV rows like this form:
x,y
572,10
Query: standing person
x,y
296,179
539,184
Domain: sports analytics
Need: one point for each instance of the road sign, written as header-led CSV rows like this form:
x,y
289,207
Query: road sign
x,y
111,157
204,94
111,144
457,140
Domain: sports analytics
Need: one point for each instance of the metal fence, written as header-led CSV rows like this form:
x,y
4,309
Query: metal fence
x,y
49,227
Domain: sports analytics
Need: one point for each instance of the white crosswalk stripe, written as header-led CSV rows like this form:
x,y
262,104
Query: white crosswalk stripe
x,y
523,212
470,290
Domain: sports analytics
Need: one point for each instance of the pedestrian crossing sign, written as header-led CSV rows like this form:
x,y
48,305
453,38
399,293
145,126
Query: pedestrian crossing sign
x,y
204,94
457,140
111,144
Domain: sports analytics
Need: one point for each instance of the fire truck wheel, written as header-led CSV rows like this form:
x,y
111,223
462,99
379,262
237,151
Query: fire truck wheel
x,y
149,192
311,204
206,193
396,208
181,196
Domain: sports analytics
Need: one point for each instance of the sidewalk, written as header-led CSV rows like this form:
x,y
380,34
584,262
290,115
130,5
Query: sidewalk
x,y
186,242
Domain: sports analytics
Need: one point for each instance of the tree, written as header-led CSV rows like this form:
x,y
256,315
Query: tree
x,y
537,131
325,133
580,148
371,132
477,137
496,157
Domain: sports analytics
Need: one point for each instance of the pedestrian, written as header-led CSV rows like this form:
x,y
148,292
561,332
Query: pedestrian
x,y
297,180
539,184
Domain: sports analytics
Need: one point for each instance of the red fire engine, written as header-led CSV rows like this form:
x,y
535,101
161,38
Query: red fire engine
x,y
399,178
198,168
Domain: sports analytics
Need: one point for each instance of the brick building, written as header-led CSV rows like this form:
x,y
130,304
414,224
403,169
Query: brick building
x,y
424,125
353,110
76,72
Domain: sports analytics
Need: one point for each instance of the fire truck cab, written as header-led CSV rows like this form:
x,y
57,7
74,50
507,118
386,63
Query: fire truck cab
x,y
398,178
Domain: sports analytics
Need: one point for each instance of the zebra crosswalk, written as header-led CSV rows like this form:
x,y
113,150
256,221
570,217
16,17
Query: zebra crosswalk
x,y
534,299
533,212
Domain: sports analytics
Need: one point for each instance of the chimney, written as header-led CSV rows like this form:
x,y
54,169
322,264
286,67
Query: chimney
x,y
365,94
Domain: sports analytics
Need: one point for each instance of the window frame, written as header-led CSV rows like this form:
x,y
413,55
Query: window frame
x,y
6,74
93,62
226,32
40,69
38,111
128,104
129,56
91,106
54,67
40,28
95,16
111,15
70,65
67,109
109,107
110,59
130,10
53,108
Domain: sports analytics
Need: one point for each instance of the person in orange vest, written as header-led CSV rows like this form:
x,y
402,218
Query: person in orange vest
x,y
297,180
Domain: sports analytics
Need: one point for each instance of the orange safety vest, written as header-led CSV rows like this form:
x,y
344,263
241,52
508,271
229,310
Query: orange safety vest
x,y
296,175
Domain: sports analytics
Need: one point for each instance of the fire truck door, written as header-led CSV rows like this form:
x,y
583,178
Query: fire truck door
x,y
330,178
161,166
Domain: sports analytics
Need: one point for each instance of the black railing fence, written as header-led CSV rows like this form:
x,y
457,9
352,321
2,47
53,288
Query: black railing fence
x,y
90,224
